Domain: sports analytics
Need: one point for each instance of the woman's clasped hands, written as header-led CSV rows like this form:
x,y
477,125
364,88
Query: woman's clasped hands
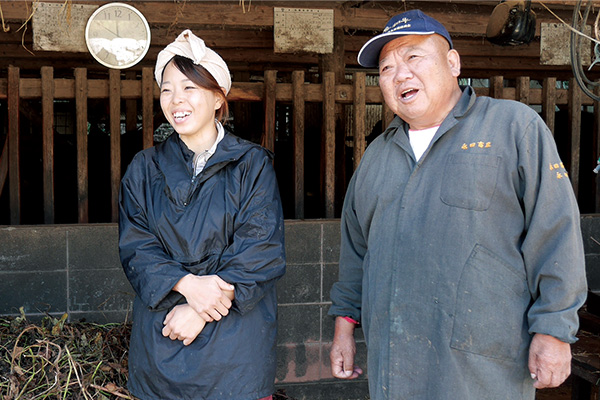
x,y
208,297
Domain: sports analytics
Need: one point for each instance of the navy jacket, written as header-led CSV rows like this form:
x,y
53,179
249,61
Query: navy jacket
x,y
227,221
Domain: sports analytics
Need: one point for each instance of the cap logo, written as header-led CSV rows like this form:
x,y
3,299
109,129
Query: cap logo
x,y
395,27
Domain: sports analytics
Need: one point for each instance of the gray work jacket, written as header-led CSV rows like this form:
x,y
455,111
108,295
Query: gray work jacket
x,y
453,262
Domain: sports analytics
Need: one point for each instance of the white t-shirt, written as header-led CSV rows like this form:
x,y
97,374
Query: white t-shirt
x,y
420,139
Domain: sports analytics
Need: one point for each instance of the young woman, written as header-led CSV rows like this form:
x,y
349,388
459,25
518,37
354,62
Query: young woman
x,y
201,241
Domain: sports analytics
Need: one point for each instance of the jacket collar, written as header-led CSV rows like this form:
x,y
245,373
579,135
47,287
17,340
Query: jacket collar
x,y
175,159
464,104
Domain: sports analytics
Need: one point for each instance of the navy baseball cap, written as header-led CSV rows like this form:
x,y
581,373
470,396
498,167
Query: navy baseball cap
x,y
413,22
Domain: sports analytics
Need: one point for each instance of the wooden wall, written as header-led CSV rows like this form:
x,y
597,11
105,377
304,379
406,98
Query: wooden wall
x,y
242,32
315,111
117,91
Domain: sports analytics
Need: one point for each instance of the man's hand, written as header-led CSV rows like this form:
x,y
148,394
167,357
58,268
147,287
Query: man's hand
x,y
183,323
549,361
343,350
209,295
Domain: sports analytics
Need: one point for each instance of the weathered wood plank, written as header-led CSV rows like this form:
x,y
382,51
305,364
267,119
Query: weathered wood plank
x,y
115,140
130,105
549,102
298,104
269,106
30,88
359,112
148,85
3,164
575,130
81,126
329,137
13,145
522,89
260,13
497,87
48,142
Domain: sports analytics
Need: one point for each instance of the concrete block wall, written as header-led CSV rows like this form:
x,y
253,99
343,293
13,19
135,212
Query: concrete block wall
x,y
76,269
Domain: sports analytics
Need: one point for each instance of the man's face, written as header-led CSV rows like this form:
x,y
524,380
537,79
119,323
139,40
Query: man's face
x,y
417,76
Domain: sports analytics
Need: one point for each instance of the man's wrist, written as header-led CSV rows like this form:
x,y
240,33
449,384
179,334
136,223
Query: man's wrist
x,y
351,320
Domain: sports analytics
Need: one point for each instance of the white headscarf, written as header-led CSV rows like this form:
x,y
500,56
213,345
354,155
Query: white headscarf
x,y
191,46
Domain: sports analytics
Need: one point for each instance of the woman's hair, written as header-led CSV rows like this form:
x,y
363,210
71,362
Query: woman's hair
x,y
201,77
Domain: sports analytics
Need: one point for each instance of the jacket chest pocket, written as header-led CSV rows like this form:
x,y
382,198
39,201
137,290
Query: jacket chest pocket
x,y
469,181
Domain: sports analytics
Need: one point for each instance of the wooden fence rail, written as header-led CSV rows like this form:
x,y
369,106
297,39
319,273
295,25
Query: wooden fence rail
x,y
14,89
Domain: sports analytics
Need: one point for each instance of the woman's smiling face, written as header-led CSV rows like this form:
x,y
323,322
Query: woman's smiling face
x,y
189,108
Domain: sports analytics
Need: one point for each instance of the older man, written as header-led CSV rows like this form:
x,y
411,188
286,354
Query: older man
x,y
461,253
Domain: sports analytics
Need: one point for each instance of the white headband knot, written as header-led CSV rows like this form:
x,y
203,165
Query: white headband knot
x,y
191,46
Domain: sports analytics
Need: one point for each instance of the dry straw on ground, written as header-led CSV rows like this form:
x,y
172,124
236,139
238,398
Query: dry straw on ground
x,y
57,360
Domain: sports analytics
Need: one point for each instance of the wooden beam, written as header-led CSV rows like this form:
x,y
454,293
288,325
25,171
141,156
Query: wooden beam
x,y
3,164
359,112
329,137
298,104
131,114
48,142
523,89
13,145
148,85
115,140
497,87
270,79
81,126
549,102
575,130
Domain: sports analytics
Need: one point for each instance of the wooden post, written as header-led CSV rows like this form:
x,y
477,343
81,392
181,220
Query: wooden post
x,y
3,164
575,128
329,136
48,142
81,106
523,89
298,103
131,114
335,62
115,140
147,107
497,87
549,102
359,115
13,145
596,144
270,85
360,112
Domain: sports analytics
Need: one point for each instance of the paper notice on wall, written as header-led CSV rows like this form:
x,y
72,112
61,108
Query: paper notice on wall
x,y
303,30
555,45
60,26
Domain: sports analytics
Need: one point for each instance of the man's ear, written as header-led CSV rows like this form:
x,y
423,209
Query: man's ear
x,y
454,61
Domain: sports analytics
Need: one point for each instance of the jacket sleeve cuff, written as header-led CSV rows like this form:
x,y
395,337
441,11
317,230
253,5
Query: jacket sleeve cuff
x,y
559,326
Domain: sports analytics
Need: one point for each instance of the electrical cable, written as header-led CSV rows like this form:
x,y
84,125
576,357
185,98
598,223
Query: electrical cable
x,y
578,26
